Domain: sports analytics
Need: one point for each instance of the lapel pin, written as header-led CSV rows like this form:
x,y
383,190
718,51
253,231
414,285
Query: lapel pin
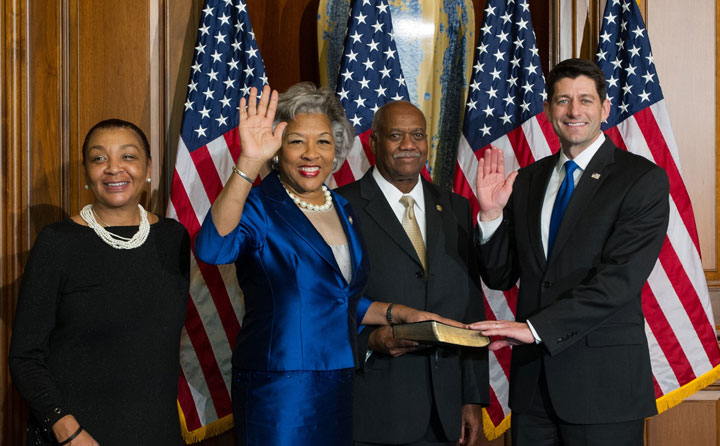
x,y
438,207
350,220
595,176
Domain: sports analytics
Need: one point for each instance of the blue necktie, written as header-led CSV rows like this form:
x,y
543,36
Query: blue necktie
x,y
561,201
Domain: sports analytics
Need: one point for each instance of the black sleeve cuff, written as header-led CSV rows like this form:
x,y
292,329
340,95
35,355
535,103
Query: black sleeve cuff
x,y
52,417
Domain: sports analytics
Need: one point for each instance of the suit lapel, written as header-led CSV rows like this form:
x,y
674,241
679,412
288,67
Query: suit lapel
x,y
295,220
378,209
591,180
536,195
433,223
343,210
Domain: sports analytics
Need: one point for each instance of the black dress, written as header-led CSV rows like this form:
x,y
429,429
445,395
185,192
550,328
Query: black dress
x,y
97,333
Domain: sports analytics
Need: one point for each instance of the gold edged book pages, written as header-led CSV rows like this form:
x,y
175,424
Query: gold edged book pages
x,y
437,332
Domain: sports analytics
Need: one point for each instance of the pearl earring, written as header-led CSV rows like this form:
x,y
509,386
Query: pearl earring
x,y
87,187
275,159
148,180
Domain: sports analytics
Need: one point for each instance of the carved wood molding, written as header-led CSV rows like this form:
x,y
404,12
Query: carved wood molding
x,y
13,203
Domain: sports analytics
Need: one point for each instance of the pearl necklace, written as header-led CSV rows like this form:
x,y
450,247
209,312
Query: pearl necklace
x,y
312,207
117,241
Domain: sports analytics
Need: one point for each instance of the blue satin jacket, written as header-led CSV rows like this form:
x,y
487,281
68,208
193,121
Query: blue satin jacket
x,y
300,313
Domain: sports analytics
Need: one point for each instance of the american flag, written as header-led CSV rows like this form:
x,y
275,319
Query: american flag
x,y
504,108
226,64
679,320
370,76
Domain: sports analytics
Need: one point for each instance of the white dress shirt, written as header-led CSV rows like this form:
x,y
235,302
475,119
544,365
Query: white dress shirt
x,y
556,179
393,194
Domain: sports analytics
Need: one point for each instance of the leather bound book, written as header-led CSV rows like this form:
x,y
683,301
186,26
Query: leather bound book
x,y
435,332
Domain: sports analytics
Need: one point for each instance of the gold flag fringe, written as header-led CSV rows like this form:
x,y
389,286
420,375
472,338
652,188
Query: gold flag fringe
x,y
224,424
677,396
664,403
491,431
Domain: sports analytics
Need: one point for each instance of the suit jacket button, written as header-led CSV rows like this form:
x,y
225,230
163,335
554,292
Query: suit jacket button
x,y
340,300
547,285
420,274
560,340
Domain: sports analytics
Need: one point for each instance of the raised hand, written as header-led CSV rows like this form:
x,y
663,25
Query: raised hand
x,y
258,139
492,188
259,143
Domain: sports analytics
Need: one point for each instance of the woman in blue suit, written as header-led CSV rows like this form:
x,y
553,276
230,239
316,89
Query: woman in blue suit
x,y
301,267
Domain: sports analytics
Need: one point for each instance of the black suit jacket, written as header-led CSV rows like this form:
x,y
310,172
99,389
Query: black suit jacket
x,y
393,396
584,301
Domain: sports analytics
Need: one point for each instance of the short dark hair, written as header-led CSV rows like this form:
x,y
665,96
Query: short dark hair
x,y
115,123
573,68
379,116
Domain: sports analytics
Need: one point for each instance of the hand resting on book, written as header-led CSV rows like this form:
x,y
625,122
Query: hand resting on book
x,y
381,339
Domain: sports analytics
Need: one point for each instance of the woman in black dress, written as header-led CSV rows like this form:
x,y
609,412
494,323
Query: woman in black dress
x,y
97,329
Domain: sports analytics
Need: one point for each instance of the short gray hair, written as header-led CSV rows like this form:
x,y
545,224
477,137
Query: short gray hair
x,y
305,97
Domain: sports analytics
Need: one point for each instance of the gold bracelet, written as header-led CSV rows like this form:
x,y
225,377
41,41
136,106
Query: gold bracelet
x,y
242,174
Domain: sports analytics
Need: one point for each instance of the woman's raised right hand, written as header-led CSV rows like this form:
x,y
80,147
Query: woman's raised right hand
x,y
258,139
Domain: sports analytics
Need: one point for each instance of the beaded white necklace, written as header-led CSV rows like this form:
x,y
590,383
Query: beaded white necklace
x,y
114,240
309,206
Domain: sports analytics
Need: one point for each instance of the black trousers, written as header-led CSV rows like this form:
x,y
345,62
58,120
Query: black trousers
x,y
540,426
434,435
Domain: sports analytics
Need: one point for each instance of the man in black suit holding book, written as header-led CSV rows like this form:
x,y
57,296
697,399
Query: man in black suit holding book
x,y
419,242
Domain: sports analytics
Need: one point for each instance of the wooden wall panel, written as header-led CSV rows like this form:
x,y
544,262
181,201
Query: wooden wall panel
x,y
182,19
13,199
286,31
686,69
108,74
47,147
715,277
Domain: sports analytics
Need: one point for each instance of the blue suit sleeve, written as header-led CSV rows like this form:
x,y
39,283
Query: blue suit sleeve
x,y
362,308
211,247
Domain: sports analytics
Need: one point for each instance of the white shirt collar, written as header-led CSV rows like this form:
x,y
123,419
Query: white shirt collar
x,y
584,158
393,194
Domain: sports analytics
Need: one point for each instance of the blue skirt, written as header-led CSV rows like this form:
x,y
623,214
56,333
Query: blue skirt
x,y
292,408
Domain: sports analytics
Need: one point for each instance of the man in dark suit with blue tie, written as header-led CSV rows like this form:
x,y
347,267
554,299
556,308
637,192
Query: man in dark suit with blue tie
x,y
581,230
419,242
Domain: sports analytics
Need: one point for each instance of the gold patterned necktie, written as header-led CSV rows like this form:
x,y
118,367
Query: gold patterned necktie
x,y
411,227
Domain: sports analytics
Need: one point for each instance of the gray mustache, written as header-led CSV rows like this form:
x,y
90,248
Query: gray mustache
x,y
406,154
